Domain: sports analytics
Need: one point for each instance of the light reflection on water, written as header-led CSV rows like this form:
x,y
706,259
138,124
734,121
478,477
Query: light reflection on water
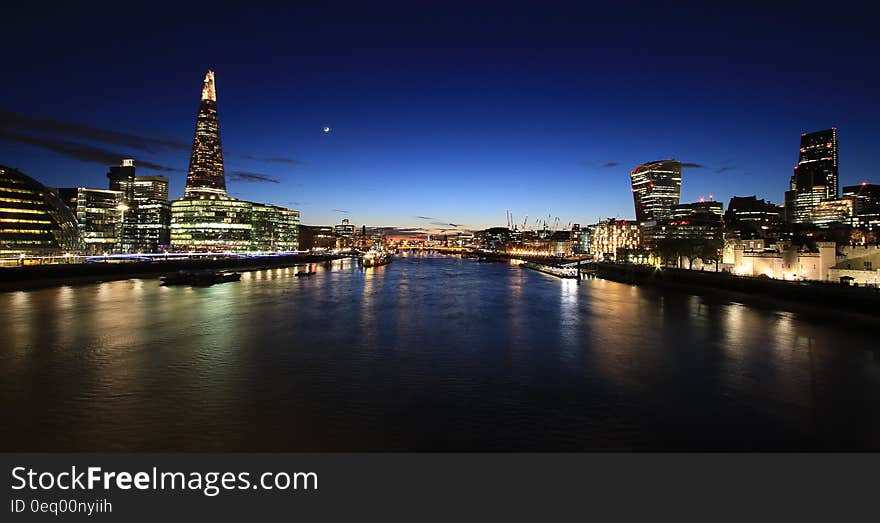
x,y
424,354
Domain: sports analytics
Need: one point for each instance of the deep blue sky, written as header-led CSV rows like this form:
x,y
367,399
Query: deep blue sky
x,y
455,113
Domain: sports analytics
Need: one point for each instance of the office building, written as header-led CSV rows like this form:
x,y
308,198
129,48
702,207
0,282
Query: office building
x,y
122,179
274,229
34,221
610,236
751,216
100,214
656,188
866,205
815,176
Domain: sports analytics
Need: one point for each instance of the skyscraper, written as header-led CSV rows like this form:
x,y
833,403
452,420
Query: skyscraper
x,y
205,175
122,179
817,163
147,188
815,176
206,219
656,188
152,212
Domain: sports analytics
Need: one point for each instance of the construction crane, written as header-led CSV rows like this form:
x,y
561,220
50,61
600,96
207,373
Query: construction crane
x,y
525,221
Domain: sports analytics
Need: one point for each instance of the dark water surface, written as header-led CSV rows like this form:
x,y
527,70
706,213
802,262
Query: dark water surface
x,y
425,354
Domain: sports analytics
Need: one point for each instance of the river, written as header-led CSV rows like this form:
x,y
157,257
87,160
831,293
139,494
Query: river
x,y
427,353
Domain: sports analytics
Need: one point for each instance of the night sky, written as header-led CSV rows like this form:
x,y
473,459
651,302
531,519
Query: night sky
x,y
443,114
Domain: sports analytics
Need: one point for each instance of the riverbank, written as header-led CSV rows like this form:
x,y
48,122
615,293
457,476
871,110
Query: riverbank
x,y
794,296
40,276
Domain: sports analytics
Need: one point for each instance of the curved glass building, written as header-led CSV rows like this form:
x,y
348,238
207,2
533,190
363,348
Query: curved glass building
x,y
33,219
656,188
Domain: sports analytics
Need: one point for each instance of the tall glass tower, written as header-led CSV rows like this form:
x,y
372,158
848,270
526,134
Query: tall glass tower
x,y
656,188
205,176
815,175
817,163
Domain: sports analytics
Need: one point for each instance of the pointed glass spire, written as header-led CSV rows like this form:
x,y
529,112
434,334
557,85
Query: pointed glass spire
x,y
205,176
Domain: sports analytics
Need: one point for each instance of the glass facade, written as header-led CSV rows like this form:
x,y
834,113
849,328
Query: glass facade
x,y
33,218
828,212
274,229
866,205
151,223
205,175
100,214
815,177
656,188
210,224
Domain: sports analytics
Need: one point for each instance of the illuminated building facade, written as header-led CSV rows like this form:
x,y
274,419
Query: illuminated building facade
x,y
817,162
33,218
783,261
815,176
150,189
150,226
205,176
210,224
656,188
345,232
866,205
100,214
828,212
274,229
609,236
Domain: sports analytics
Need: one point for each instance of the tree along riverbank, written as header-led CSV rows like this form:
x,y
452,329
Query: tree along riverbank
x,y
38,276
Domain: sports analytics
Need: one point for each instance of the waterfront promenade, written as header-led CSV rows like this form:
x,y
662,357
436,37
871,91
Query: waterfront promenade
x,y
36,276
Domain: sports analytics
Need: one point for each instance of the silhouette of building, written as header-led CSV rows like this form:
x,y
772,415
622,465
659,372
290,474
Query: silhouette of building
x,y
751,216
122,179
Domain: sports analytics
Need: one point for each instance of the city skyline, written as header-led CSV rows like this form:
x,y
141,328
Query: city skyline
x,y
511,131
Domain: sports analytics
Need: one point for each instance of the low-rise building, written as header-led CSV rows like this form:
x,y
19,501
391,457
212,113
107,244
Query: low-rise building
x,y
783,260
611,235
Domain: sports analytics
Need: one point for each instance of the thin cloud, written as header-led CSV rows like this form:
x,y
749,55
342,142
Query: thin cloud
x,y
244,176
273,159
79,151
725,169
691,165
25,125
340,210
424,217
19,122
609,165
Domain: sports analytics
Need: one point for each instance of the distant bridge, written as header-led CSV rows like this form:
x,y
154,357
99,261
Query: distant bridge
x,y
438,249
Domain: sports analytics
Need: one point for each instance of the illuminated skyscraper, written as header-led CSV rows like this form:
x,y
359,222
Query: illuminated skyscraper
x,y
815,176
656,188
205,175
817,163
206,219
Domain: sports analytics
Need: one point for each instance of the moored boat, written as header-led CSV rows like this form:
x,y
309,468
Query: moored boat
x,y
376,258
200,278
